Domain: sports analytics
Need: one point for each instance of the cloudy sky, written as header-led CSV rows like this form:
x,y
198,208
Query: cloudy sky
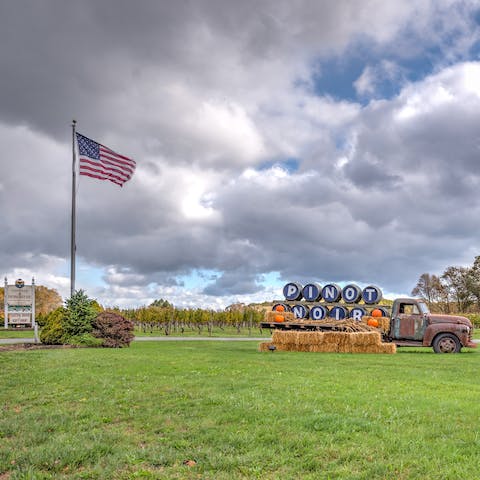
x,y
283,140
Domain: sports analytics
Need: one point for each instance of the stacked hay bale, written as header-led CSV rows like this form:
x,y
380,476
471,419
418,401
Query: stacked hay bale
x,y
383,323
332,341
339,329
279,317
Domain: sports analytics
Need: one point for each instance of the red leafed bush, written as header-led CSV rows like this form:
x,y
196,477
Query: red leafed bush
x,y
115,330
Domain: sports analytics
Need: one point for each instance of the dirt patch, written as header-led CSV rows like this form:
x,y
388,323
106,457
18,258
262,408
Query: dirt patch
x,y
32,346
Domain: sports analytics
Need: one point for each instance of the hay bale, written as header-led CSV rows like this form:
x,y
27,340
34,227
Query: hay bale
x,y
284,337
344,348
309,338
291,337
363,341
319,337
384,324
301,348
276,336
357,338
303,338
324,348
345,341
332,338
367,338
264,346
389,348
381,348
271,316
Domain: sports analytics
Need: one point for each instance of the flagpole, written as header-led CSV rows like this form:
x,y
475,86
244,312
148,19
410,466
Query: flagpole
x,y
73,246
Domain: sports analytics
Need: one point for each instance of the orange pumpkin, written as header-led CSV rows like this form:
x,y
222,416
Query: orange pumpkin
x,y
279,318
372,322
280,308
377,313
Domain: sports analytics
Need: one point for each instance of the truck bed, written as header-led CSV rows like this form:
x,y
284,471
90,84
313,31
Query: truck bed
x,y
320,325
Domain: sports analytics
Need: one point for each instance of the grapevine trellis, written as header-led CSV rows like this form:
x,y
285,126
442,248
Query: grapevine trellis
x,y
169,320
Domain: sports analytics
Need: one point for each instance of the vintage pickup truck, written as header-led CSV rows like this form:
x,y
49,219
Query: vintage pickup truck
x,y
411,324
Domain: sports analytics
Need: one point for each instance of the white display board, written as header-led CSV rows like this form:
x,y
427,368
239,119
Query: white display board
x,y
19,304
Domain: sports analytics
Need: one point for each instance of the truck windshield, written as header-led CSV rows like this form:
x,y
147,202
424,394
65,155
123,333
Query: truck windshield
x,y
423,307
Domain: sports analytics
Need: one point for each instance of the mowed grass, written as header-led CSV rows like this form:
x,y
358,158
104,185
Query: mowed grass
x,y
220,410
16,333
216,332
255,332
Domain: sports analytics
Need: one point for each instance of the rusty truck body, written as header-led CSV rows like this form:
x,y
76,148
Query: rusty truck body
x,y
411,324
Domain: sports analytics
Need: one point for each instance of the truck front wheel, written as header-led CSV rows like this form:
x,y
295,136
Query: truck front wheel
x,y
446,343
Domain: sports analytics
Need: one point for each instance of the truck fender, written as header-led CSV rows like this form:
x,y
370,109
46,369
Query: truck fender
x,y
433,330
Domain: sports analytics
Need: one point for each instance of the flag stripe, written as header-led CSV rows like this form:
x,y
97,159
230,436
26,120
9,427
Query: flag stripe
x,y
99,177
129,160
98,161
86,168
85,162
115,156
115,164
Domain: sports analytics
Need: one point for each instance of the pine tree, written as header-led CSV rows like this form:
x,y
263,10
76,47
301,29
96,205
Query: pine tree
x,y
80,314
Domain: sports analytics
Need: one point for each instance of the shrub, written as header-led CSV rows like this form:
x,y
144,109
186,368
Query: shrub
x,y
115,331
41,319
52,332
80,314
85,340
71,324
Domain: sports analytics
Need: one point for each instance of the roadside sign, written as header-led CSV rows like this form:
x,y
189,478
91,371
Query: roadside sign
x,y
20,296
20,304
17,318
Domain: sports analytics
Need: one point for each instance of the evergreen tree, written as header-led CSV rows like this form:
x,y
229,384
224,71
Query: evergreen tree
x,y
80,313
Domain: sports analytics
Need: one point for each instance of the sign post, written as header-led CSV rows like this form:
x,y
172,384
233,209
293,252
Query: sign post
x,y
6,305
20,305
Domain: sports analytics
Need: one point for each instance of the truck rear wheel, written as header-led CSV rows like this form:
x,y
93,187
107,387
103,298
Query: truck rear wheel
x,y
446,343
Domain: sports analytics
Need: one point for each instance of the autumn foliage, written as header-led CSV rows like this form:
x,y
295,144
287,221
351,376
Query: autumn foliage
x,y
114,330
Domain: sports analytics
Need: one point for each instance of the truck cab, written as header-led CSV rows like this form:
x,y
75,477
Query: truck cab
x,y
412,324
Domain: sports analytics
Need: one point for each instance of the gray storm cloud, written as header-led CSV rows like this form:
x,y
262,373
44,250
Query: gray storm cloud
x,y
212,98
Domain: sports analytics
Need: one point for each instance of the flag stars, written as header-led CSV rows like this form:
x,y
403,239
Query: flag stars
x,y
88,147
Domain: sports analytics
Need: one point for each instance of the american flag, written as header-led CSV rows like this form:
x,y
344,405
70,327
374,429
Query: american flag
x,y
98,161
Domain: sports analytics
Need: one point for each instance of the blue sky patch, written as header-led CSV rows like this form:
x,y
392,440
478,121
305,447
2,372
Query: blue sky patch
x,y
291,165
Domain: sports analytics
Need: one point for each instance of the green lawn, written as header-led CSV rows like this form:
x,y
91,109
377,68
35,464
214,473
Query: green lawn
x,y
216,332
16,333
142,412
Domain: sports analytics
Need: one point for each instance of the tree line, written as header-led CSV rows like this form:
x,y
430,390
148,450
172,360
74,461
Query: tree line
x,y
170,320
456,290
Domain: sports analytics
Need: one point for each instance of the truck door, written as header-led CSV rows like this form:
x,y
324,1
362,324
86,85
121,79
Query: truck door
x,y
409,323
